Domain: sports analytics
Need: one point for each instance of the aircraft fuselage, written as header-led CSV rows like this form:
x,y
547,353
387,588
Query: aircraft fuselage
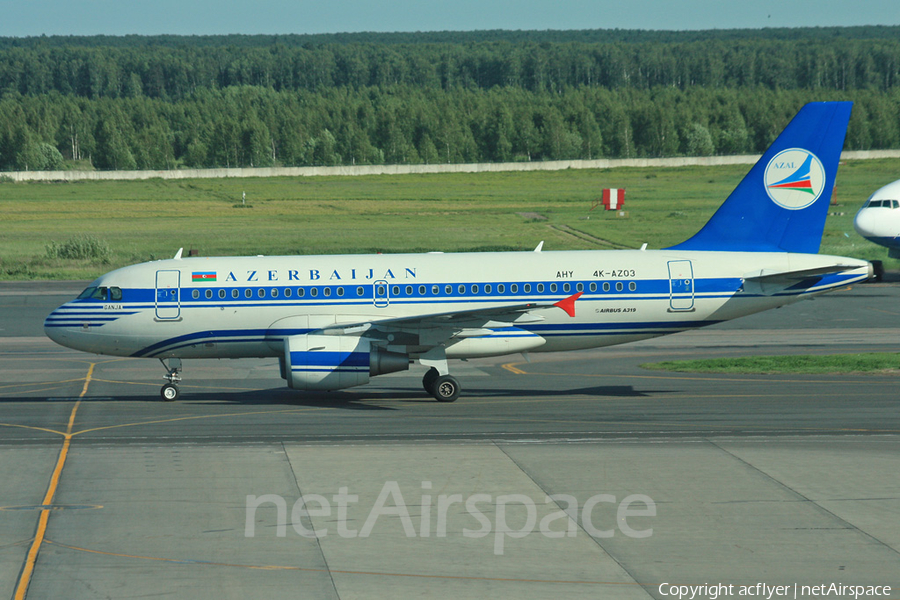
x,y
245,307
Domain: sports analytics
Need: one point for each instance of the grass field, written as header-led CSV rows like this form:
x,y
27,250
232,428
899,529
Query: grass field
x,y
835,363
145,220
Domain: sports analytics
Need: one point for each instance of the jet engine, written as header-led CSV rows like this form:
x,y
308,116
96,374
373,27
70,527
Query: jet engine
x,y
334,362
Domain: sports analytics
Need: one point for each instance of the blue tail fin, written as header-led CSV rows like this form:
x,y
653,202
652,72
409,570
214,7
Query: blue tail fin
x,y
781,205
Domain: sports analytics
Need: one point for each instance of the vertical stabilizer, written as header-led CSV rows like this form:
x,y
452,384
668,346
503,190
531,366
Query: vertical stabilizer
x,y
781,205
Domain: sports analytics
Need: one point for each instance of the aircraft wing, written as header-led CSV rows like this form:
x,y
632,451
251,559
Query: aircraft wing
x,y
476,318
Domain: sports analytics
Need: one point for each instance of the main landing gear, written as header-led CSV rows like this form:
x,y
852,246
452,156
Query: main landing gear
x,y
437,381
170,391
444,388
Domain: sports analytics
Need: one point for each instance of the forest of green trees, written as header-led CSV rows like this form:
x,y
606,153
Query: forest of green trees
x,y
166,102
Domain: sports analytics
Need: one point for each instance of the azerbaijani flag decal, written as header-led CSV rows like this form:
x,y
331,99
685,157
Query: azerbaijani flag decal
x,y
203,276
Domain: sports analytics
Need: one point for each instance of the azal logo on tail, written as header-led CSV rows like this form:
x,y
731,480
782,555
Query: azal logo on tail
x,y
793,187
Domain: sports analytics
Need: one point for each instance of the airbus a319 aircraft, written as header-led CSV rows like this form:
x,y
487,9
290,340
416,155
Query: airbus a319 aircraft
x,y
336,321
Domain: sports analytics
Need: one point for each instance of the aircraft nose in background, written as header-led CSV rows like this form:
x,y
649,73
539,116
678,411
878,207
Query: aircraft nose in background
x,y
871,223
863,223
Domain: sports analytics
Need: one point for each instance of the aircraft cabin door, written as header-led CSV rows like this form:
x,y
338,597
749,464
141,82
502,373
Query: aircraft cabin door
x,y
168,295
380,293
681,286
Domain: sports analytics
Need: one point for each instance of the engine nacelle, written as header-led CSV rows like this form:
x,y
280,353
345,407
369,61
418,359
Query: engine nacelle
x,y
334,362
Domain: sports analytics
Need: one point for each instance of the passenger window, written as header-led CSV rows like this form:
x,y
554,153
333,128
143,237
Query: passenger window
x,y
313,292
422,290
360,291
527,288
593,286
261,293
409,290
514,288
222,294
605,286
209,294
274,292
487,288
195,294
448,289
235,293
340,291
632,286
287,292
501,288
461,289
435,290
395,290
552,287
619,286
327,291
540,288
248,293
579,287
474,288
300,292
567,287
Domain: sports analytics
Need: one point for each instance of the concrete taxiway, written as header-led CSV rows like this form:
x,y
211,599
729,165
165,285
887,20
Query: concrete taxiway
x,y
655,479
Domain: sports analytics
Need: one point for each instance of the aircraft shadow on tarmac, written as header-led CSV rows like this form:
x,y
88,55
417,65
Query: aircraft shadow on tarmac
x,y
350,400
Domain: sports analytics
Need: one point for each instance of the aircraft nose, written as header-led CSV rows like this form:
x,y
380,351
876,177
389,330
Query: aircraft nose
x,y
55,329
64,326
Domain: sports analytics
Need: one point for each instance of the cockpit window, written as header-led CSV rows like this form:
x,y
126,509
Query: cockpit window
x,y
883,204
101,293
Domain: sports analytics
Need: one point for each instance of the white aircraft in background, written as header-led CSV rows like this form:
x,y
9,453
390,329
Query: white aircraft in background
x,y
879,218
336,321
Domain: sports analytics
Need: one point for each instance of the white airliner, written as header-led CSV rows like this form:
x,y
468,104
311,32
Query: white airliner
x,y
336,321
879,219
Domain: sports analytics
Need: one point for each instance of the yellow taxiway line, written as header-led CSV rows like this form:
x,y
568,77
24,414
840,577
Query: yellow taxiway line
x,y
31,558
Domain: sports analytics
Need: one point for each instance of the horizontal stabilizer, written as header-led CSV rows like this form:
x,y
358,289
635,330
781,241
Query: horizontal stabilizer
x,y
788,277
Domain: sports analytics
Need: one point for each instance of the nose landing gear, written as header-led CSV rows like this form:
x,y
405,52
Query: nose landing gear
x,y
170,391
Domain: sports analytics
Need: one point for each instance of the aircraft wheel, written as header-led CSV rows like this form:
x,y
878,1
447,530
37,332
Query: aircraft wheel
x,y
445,389
428,380
169,392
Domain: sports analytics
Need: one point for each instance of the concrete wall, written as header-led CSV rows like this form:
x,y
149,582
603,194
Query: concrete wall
x,y
557,165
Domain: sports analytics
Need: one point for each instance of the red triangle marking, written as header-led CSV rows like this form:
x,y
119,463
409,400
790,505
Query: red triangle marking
x,y
568,304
